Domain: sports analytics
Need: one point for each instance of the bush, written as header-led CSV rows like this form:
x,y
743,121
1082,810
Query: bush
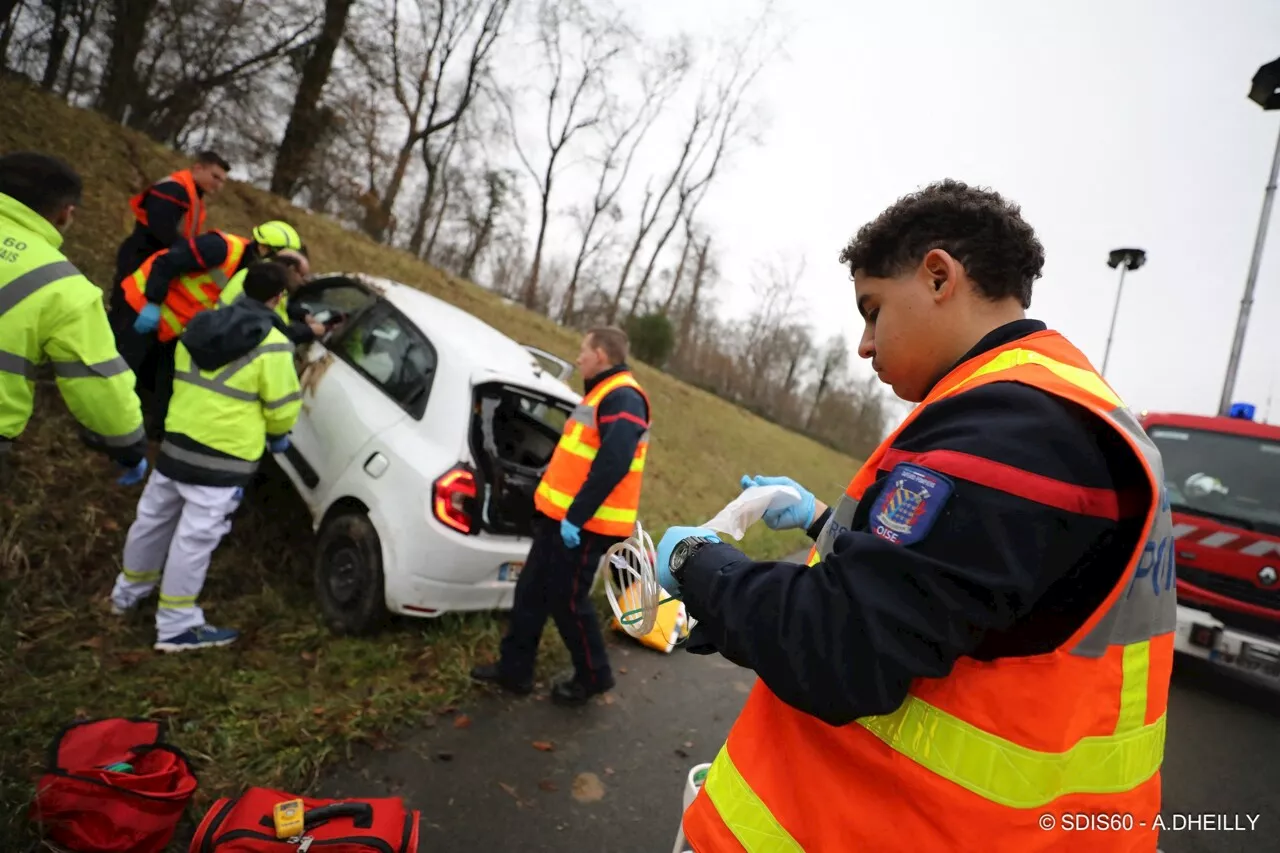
x,y
652,338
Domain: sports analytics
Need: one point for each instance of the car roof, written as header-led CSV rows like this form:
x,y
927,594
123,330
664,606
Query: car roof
x,y
487,353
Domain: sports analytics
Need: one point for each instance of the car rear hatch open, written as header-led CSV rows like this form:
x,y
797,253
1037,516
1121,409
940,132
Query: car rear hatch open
x,y
513,432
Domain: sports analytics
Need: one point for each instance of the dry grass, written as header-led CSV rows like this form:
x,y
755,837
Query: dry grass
x,y
288,697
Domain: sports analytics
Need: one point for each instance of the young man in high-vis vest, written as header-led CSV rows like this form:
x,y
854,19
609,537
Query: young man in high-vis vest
x,y
586,502
49,312
983,633
173,286
235,393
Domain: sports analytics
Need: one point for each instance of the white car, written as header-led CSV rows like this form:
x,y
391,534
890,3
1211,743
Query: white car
x,y
422,436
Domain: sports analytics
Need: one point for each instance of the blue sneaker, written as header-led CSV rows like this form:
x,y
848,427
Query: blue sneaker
x,y
204,637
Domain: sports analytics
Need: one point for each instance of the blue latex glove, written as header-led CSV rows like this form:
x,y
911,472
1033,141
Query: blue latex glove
x,y
673,537
148,319
797,514
278,445
133,476
571,534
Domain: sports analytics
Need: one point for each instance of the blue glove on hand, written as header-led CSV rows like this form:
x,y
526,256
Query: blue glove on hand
x,y
133,476
571,534
148,319
796,514
278,445
673,537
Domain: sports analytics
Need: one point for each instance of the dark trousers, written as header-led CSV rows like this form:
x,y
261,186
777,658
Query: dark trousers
x,y
151,360
556,582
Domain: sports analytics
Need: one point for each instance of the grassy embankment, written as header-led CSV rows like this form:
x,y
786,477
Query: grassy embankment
x,y
289,696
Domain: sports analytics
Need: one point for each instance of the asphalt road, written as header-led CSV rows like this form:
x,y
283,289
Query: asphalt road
x,y
526,775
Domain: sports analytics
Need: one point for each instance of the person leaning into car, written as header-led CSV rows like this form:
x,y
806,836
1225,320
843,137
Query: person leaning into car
x,y
585,503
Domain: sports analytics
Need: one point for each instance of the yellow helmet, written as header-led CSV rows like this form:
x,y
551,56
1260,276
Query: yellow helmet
x,y
278,235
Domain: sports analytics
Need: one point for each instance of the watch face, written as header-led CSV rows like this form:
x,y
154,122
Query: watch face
x,y
679,554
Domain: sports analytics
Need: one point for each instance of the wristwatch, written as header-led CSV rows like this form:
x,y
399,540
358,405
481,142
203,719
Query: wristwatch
x,y
684,550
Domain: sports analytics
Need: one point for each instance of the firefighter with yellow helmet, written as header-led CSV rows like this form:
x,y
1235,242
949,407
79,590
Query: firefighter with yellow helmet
x,y
173,286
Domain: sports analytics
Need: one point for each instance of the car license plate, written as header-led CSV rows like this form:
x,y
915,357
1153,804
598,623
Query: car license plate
x,y
510,571
1259,660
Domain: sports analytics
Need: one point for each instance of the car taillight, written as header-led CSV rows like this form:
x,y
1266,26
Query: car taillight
x,y
453,497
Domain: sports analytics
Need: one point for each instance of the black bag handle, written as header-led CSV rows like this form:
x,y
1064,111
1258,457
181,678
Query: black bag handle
x,y
361,814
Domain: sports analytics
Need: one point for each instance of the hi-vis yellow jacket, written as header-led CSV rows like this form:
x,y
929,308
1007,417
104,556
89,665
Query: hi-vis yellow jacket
x,y
50,312
222,415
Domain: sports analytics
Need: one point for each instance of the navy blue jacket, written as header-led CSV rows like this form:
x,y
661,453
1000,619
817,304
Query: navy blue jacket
x,y
1046,506
622,417
165,205
205,252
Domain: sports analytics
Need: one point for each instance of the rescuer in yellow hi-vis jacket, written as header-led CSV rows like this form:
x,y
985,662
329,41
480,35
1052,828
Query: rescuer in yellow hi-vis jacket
x,y
235,391
50,312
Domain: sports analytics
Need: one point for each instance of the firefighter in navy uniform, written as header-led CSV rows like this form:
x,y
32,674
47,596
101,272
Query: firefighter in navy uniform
x,y
169,210
586,502
983,632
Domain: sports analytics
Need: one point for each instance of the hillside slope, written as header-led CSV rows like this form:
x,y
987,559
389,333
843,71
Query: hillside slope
x,y
289,696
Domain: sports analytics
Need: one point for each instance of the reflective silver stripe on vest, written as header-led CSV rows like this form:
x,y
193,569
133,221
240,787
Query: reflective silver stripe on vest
x,y
243,361
585,415
14,363
1148,607
193,378
283,401
841,520
80,370
126,440
32,280
208,461
218,382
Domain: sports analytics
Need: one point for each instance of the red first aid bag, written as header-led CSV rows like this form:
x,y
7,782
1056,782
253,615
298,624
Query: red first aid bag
x,y
84,807
245,824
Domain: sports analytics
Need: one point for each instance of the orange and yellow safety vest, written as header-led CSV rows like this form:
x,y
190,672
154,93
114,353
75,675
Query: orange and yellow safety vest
x,y
977,759
571,463
192,220
188,294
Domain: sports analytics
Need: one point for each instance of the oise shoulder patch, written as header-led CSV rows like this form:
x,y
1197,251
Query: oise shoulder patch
x,y
909,504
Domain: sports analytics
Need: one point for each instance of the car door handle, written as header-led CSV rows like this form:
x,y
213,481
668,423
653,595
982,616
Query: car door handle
x,y
376,465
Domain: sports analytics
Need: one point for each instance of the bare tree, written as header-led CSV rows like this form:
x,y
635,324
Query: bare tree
x,y
660,78
678,277
718,120
305,119
700,274
574,101
832,363
727,124
432,97
128,34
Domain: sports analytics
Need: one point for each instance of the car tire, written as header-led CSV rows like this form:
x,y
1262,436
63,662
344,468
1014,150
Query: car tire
x,y
348,575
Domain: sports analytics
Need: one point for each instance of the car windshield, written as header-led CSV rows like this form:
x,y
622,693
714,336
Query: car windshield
x,y
1234,478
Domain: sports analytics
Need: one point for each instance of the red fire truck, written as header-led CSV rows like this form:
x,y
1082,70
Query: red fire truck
x,y
1223,480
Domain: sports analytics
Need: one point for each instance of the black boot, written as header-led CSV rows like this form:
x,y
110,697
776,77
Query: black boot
x,y
572,692
490,673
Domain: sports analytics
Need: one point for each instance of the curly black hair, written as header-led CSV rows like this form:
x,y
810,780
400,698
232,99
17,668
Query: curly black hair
x,y
977,227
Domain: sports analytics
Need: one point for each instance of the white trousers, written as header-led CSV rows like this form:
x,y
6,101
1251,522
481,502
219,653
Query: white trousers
x,y
172,541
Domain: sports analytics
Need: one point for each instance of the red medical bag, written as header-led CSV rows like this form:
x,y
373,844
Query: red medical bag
x,y
134,807
244,824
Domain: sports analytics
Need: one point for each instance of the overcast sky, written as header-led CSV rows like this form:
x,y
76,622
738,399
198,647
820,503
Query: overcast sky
x,y
1119,123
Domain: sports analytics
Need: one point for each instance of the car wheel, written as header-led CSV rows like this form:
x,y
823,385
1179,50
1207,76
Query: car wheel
x,y
348,574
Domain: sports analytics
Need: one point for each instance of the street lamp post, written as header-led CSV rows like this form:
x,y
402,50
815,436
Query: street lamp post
x,y
1265,92
1126,259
